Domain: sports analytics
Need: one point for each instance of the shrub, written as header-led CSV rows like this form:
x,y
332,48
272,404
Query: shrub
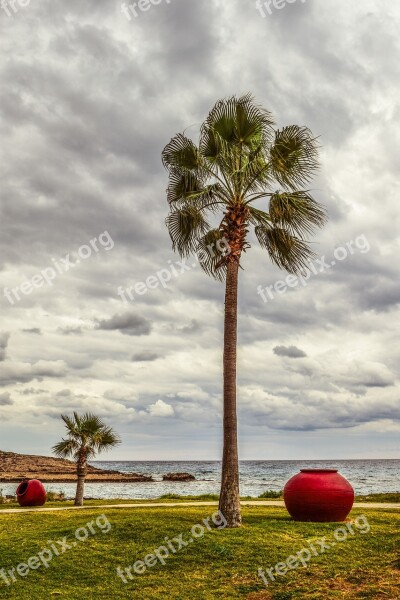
x,y
55,496
271,494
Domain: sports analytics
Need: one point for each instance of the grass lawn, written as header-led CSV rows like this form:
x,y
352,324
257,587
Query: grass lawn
x,y
174,498
219,564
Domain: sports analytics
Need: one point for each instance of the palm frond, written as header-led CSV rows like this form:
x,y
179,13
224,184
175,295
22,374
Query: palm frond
x,y
106,439
91,424
253,173
71,423
184,185
254,125
67,448
294,156
185,226
235,121
210,250
259,217
285,250
297,212
181,153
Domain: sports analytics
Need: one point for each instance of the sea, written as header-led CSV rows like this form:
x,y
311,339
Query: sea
x,y
256,477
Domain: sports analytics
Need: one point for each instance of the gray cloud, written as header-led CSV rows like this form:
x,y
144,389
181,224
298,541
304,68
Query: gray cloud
x,y
289,351
145,356
193,327
4,337
5,399
10,373
70,330
30,391
127,323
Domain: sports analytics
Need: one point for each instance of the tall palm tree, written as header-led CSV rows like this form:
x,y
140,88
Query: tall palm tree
x,y
87,436
243,174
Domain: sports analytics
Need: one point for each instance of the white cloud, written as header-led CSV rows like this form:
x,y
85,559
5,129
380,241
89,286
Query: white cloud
x,y
161,409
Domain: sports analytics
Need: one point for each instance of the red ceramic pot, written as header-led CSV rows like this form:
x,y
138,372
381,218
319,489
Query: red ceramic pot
x,y
318,495
31,492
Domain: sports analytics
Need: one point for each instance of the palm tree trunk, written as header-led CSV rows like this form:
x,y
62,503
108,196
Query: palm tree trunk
x,y
80,487
229,502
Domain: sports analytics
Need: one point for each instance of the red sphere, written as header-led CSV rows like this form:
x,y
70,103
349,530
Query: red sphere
x,y
318,495
31,492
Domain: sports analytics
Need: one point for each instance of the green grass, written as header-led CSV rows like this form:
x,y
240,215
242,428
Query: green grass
x,y
394,497
165,498
221,564
204,497
268,495
278,495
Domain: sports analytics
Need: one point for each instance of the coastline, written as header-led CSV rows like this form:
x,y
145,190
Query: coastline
x,y
17,467
91,478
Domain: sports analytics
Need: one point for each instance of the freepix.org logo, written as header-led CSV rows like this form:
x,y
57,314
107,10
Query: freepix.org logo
x,y
11,7
136,8
60,266
268,7
319,265
54,549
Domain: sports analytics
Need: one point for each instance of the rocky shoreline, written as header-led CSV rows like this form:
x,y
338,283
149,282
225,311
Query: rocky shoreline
x,y
178,477
16,467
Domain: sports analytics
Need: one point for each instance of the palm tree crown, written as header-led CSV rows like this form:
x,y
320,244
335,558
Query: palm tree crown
x,y
241,159
87,436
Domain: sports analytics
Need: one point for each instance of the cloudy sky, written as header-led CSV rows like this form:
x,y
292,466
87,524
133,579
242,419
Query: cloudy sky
x,y
88,100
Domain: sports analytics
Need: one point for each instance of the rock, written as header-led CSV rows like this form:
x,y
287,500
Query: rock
x,y
178,477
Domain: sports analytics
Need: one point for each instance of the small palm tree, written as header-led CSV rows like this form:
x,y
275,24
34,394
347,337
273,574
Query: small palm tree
x,y
87,436
243,174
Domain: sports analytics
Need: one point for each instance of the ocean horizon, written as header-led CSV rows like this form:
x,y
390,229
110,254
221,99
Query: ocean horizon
x,y
256,476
